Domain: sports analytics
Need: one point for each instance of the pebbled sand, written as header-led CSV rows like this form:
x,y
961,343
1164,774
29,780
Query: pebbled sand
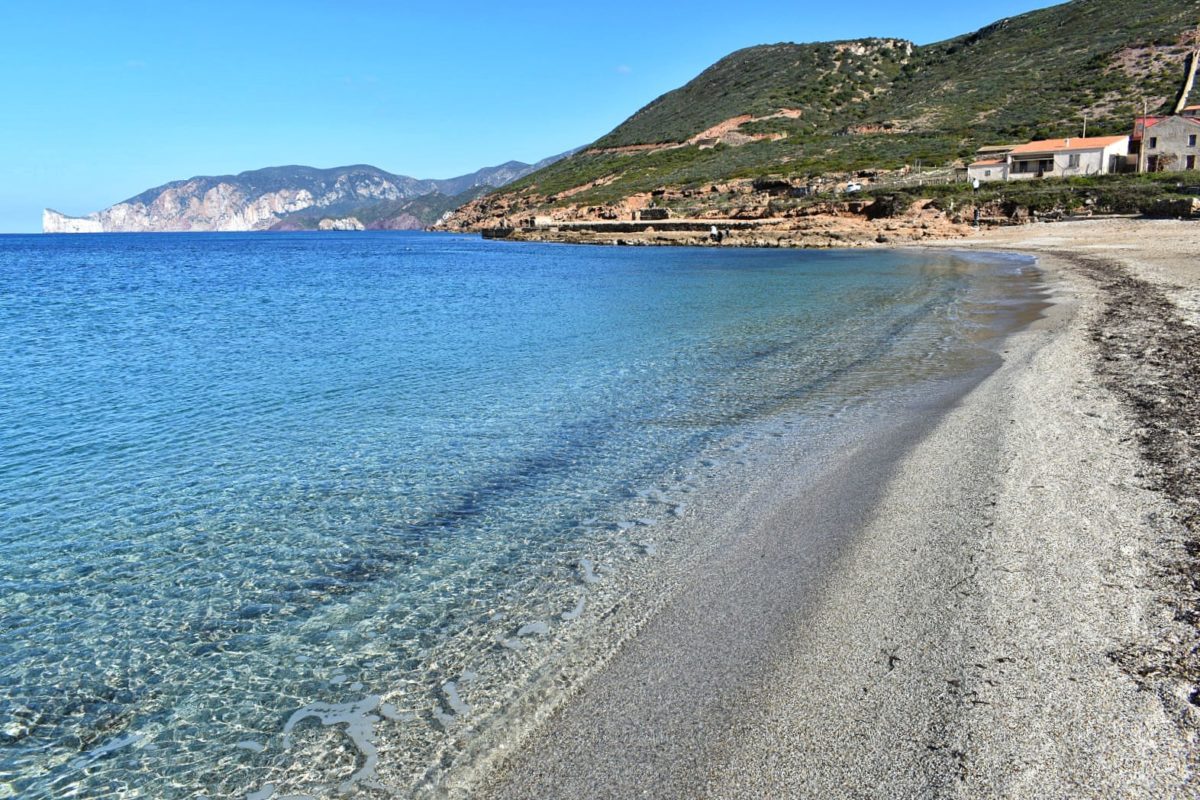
x,y
1002,612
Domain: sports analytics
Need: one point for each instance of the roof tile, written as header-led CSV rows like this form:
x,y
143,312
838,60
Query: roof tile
x,y
1066,145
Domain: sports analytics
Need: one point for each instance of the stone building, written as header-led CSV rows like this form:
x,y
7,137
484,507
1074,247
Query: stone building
x,y
1168,144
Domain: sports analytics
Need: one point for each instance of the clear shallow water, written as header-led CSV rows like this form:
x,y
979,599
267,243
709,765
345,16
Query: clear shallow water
x,y
274,507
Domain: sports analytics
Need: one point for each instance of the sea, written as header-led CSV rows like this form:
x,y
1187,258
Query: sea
x,y
325,515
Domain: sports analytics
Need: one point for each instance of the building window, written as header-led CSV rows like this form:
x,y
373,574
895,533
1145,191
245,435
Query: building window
x,y
1192,140
1153,142
1191,162
987,173
1073,161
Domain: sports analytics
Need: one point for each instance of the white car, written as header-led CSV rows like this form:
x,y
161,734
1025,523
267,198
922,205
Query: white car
x,y
853,187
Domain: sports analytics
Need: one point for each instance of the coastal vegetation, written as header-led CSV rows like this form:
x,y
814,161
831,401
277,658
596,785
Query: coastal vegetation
x,y
1148,194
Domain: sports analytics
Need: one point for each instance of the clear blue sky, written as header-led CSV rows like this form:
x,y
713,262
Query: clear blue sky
x,y
104,100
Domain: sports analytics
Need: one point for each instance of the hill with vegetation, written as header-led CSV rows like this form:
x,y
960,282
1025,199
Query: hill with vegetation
x,y
801,111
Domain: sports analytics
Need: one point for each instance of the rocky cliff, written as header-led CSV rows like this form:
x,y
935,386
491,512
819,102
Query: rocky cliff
x,y
291,198
57,222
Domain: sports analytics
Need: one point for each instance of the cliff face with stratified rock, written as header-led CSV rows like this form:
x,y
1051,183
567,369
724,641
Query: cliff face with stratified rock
x,y
291,198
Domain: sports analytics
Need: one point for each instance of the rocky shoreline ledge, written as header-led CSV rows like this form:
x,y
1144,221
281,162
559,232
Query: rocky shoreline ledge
x,y
827,225
842,223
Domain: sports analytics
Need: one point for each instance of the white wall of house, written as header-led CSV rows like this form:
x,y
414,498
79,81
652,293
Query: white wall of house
x,y
988,172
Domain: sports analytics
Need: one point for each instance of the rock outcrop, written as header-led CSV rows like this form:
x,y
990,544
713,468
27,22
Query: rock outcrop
x,y
344,224
191,206
56,222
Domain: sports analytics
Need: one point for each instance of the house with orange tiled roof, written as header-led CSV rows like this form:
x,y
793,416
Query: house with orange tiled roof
x,y
1167,144
1070,157
1053,158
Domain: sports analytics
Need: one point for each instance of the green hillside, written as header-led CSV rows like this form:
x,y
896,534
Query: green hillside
x,y
824,81
1034,75
883,104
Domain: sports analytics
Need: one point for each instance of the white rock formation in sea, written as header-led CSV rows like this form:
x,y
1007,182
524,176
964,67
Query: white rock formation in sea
x,y
55,222
344,224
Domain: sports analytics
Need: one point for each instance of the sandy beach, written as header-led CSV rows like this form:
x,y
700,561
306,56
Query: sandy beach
x,y
999,602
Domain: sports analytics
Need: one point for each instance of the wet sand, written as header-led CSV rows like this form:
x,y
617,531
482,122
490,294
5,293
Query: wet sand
x,y
994,602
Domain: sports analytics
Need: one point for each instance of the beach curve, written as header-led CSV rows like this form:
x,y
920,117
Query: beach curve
x,y
966,640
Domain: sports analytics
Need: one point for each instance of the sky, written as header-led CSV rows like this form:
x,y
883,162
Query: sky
x,y
104,100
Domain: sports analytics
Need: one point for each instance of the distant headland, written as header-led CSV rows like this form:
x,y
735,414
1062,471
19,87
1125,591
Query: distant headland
x,y
293,198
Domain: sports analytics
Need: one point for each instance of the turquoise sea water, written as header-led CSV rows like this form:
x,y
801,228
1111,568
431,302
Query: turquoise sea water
x,y
281,515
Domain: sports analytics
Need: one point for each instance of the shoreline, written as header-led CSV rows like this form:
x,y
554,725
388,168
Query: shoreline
x,y
965,640
848,459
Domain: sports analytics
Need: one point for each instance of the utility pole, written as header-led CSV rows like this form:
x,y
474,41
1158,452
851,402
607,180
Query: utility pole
x,y
1085,124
